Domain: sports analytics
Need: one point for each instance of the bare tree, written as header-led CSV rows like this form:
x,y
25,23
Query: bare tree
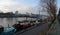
x,y
50,5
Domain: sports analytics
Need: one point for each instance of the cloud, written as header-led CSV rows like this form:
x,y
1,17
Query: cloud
x,y
13,5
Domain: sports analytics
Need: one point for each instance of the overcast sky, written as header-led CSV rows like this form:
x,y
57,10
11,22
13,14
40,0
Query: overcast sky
x,y
22,6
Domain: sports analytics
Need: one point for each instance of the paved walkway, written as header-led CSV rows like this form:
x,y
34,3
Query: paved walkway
x,y
55,29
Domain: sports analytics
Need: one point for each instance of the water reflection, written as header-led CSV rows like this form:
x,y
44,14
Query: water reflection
x,y
10,21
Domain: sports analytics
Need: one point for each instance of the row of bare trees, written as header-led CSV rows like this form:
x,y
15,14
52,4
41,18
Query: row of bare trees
x,y
50,6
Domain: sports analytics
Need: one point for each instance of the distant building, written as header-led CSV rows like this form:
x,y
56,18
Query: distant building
x,y
16,12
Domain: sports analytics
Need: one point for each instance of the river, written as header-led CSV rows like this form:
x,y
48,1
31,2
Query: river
x,y
10,21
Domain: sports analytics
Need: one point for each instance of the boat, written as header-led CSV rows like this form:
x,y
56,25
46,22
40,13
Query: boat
x,y
7,31
18,27
21,26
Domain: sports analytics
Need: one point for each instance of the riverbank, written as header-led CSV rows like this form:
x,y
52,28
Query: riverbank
x,y
34,30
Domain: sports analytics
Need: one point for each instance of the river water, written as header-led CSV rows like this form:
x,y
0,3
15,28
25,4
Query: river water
x,y
10,21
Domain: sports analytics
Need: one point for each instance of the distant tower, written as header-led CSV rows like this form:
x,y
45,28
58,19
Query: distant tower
x,y
16,12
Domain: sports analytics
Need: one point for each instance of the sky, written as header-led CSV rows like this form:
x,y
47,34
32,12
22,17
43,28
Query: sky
x,y
58,3
22,6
